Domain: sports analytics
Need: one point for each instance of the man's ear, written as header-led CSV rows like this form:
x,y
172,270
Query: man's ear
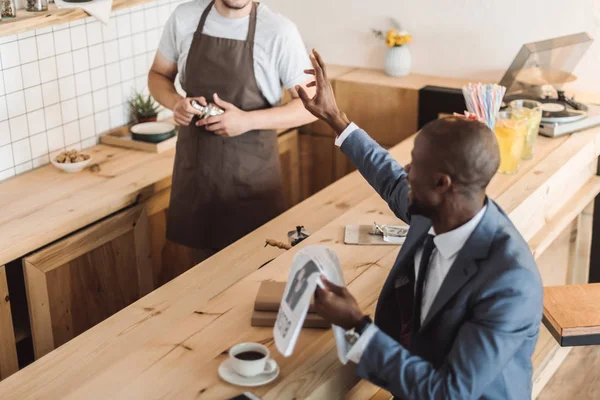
x,y
443,183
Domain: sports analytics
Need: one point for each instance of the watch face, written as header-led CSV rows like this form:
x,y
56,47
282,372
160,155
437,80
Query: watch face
x,y
351,337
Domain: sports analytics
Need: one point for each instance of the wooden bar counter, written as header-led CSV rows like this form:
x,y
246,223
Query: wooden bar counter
x,y
170,343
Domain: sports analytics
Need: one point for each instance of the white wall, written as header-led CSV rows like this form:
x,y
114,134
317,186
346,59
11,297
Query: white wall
x,y
459,38
61,87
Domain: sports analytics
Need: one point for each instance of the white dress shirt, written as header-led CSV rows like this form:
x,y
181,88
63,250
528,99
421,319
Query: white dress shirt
x,y
447,246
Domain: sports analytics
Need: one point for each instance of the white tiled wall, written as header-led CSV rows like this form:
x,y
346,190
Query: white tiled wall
x,y
61,87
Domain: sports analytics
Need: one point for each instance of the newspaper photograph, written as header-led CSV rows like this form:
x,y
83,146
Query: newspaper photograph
x,y
307,267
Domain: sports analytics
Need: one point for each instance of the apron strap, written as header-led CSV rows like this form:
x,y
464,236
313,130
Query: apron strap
x,y
252,26
203,18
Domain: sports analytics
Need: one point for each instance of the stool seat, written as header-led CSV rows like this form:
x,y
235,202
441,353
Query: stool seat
x,y
572,314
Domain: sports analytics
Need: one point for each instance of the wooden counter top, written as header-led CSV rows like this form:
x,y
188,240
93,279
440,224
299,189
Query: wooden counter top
x,y
170,343
46,204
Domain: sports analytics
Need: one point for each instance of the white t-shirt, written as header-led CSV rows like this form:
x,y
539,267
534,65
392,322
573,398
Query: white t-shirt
x,y
280,56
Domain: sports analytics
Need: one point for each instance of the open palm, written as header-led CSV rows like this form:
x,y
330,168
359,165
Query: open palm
x,y
323,104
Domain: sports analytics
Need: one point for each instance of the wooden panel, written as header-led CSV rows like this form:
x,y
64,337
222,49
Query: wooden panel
x,y
27,21
569,213
316,159
8,351
289,154
581,263
78,282
169,259
555,263
388,114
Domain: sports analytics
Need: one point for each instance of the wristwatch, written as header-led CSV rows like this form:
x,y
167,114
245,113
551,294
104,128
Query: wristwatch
x,y
353,334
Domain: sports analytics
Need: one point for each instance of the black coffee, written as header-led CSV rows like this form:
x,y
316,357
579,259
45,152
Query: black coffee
x,y
250,355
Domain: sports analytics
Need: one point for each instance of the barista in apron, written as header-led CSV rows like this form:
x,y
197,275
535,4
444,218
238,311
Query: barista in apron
x,y
223,187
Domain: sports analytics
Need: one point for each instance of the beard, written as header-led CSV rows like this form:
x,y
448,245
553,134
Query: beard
x,y
235,4
416,207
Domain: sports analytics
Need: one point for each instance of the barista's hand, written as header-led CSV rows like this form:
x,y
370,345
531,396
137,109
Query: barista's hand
x,y
233,122
323,104
336,305
183,112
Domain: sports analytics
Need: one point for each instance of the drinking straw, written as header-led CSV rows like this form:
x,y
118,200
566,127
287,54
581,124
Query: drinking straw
x,y
484,100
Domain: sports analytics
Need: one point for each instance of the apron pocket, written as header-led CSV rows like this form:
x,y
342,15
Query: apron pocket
x,y
186,150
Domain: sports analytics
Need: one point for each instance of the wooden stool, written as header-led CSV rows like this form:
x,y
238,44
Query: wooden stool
x,y
572,314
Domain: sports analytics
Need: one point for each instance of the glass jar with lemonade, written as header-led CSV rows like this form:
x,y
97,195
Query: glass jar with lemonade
x,y
531,111
510,133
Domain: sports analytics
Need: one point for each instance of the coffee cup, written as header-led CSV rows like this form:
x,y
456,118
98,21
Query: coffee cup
x,y
251,359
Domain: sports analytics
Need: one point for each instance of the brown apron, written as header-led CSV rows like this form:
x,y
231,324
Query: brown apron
x,y
223,188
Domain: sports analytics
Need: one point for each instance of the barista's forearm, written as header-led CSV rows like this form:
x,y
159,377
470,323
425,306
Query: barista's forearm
x,y
290,115
163,89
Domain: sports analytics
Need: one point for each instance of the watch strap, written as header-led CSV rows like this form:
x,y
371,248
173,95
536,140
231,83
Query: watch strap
x,y
363,324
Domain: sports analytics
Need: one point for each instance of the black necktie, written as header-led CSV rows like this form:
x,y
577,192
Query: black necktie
x,y
423,266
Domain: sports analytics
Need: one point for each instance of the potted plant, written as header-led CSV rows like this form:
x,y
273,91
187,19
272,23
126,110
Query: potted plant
x,y
398,60
144,108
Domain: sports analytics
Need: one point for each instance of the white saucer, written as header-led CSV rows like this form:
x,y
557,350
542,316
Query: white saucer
x,y
229,375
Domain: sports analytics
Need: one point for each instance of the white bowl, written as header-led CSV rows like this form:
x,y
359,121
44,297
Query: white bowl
x,y
72,167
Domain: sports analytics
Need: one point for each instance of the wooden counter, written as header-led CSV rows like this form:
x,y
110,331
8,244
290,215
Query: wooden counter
x,y
46,204
170,343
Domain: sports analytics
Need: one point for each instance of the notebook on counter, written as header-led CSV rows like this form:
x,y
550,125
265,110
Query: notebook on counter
x,y
269,297
267,304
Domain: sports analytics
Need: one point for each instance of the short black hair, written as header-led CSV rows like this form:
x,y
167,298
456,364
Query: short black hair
x,y
465,149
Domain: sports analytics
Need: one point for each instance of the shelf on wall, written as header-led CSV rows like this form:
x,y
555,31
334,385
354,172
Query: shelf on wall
x,y
28,21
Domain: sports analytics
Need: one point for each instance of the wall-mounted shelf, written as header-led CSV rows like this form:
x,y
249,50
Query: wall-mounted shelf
x,y
27,21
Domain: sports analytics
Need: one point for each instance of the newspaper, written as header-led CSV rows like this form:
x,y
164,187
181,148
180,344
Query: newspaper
x,y
305,275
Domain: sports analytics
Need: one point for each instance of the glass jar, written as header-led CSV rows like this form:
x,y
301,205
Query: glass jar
x,y
37,5
8,8
510,133
531,111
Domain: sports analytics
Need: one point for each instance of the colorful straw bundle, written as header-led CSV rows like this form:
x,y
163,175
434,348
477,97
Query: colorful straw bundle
x,y
484,101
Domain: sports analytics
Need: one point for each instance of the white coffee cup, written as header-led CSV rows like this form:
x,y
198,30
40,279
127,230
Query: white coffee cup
x,y
251,367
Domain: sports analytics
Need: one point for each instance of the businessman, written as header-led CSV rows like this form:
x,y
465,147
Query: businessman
x,y
459,314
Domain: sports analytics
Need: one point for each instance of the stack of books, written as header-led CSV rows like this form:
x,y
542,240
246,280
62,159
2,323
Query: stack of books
x,y
267,304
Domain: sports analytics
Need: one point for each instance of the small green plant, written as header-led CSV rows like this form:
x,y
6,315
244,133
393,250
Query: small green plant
x,y
143,107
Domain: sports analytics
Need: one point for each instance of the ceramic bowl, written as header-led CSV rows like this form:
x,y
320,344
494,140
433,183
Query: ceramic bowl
x,y
153,132
72,167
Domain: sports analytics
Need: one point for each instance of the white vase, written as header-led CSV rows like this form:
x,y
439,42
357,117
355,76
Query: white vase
x,y
398,61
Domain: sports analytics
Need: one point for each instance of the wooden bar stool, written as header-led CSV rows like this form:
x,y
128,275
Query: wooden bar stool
x,y
572,314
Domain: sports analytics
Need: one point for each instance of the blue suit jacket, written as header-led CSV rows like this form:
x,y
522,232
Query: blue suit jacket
x,y
479,335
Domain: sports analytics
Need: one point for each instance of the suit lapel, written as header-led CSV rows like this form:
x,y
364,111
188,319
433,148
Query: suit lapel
x,y
465,265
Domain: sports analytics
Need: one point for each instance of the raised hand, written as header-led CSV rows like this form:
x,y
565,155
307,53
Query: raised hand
x,y
323,104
